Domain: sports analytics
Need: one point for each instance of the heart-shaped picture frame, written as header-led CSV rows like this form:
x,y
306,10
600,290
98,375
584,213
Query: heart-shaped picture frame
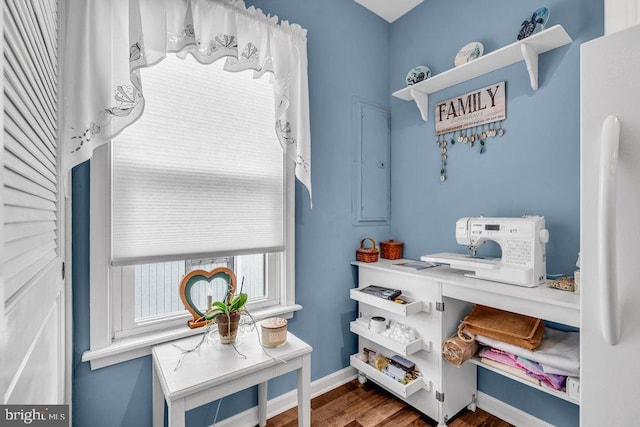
x,y
190,279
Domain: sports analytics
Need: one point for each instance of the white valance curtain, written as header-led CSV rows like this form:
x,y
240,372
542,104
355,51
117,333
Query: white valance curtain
x,y
108,41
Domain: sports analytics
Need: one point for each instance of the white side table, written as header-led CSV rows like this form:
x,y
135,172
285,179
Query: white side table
x,y
216,370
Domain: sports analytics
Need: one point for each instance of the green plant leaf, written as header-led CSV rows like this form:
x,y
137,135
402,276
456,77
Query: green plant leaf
x,y
213,313
220,305
238,302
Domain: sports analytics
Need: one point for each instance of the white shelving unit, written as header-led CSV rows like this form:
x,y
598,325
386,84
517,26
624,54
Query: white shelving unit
x,y
526,50
449,290
442,390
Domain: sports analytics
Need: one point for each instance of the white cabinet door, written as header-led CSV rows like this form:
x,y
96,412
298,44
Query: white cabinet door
x,y
620,14
610,67
32,343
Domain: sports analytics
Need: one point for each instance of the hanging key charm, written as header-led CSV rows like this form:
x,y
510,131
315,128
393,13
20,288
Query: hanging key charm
x,y
443,156
500,130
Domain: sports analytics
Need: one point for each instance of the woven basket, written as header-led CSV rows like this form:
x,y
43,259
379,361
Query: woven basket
x,y
391,249
455,350
367,254
512,328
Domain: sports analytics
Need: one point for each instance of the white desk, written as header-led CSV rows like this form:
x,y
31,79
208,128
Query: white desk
x,y
215,371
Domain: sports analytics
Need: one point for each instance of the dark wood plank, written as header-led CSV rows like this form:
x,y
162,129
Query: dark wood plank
x,y
367,405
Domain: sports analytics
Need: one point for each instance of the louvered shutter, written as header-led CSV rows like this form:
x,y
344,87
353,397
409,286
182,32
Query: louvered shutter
x,y
30,138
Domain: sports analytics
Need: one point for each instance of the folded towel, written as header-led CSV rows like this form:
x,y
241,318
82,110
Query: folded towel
x,y
559,352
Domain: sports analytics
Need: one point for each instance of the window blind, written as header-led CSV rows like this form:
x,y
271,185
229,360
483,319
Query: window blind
x,y
201,172
30,160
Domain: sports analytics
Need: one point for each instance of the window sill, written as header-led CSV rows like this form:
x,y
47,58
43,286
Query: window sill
x,y
130,348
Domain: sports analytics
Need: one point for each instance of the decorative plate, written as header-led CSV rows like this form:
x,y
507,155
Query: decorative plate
x,y
418,74
534,24
468,53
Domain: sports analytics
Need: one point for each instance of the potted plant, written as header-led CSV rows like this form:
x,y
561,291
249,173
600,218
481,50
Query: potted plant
x,y
226,314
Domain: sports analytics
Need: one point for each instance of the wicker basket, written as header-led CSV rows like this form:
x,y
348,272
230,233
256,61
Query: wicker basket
x,y
367,254
455,350
512,328
391,249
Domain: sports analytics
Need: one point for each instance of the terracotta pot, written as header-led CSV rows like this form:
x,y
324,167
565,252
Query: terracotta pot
x,y
228,327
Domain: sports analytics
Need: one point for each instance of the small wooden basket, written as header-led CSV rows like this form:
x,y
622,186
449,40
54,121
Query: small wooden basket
x,y
391,249
367,254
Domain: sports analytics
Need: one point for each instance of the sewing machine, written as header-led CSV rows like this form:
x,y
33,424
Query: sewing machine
x,y
522,241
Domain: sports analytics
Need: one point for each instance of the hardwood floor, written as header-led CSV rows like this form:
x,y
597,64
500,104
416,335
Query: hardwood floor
x,y
358,405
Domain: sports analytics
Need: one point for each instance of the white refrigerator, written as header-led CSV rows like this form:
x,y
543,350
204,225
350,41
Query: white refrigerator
x,y
610,230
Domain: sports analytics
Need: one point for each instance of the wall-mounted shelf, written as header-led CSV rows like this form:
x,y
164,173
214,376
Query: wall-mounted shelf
x,y
526,50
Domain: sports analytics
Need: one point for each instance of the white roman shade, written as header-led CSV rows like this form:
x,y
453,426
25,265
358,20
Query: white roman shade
x,y
190,178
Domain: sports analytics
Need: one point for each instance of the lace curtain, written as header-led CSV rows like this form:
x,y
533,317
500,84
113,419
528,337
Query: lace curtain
x,y
108,41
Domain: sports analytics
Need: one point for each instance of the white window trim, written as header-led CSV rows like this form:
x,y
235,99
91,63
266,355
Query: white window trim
x,y
104,348
123,289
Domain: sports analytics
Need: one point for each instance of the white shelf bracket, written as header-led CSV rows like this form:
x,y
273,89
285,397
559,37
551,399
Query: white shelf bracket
x,y
530,57
422,101
426,306
426,346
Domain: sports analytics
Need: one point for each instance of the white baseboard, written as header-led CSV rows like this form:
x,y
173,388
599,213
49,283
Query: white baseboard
x,y
289,400
507,412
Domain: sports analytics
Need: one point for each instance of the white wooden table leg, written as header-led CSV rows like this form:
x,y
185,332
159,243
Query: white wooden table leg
x,y
176,413
262,404
304,392
157,400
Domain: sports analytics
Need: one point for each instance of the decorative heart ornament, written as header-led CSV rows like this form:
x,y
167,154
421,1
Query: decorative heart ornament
x,y
201,275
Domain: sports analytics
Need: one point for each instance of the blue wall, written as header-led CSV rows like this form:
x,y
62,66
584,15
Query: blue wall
x,y
532,169
348,50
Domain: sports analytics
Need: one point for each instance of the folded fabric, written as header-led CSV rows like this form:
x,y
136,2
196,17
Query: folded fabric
x,y
534,370
559,352
516,372
500,356
525,366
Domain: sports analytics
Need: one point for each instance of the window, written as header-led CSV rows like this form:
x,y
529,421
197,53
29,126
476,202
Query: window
x,y
199,181
154,293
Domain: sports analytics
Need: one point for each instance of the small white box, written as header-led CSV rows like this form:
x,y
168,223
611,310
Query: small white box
x,y
396,372
573,387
